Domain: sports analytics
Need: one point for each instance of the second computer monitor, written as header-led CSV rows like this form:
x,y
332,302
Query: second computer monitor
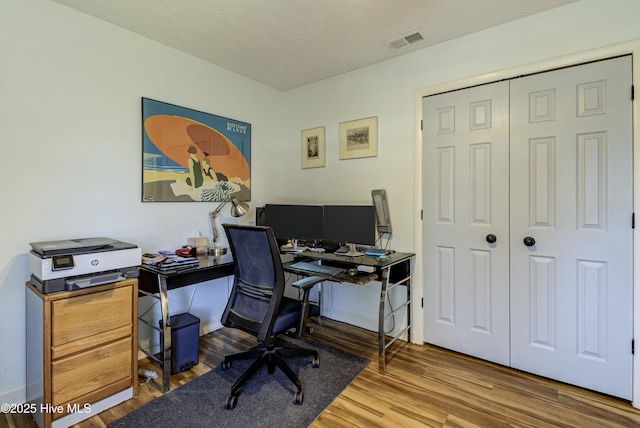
x,y
354,224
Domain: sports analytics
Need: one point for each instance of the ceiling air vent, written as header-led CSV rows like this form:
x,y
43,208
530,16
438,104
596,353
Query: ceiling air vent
x,y
405,41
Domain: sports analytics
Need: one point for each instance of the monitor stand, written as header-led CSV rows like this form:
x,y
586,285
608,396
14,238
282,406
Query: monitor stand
x,y
351,253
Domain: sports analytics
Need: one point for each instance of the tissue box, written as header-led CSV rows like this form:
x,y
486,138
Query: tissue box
x,y
200,243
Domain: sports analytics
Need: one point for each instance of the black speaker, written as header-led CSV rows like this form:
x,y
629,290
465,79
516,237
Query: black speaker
x,y
185,333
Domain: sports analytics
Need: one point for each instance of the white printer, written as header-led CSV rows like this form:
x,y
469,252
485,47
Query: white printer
x,y
79,263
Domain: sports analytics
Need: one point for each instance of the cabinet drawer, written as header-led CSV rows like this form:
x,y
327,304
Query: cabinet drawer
x,y
83,373
90,314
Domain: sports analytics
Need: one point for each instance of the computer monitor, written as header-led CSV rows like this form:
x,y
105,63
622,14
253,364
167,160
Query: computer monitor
x,y
351,224
299,222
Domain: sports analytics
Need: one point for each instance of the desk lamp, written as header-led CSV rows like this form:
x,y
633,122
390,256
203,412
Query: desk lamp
x,y
238,209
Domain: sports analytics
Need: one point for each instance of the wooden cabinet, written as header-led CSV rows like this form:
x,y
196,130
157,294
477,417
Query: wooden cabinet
x,y
81,351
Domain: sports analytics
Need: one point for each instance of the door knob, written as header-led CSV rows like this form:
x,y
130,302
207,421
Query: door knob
x,y
529,241
491,238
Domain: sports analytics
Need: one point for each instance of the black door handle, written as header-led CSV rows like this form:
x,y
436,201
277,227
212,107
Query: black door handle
x,y
529,241
491,238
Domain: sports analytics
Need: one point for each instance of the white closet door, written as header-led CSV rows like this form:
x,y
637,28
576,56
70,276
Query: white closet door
x,y
466,200
571,191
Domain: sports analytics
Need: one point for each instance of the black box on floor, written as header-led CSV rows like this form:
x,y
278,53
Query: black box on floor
x,y
185,333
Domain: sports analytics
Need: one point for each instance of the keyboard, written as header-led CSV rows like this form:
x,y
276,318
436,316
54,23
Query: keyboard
x,y
316,268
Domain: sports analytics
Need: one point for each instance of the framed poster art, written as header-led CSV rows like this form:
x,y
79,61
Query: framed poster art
x,y
313,148
192,156
359,138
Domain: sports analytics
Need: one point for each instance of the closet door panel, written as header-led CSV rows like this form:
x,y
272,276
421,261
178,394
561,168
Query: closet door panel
x,y
466,191
571,191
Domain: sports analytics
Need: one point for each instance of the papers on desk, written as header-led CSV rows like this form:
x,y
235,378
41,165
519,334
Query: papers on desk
x,y
167,263
288,248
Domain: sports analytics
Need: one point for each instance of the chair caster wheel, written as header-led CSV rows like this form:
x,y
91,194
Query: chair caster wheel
x,y
226,365
315,363
231,402
298,397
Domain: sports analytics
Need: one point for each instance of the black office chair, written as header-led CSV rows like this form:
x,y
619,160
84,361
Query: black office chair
x,y
258,306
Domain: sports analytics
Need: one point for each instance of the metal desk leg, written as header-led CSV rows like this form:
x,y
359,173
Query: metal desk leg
x,y
409,307
320,304
165,331
381,335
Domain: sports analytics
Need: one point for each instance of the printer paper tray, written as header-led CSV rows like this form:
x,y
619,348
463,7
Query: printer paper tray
x,y
93,280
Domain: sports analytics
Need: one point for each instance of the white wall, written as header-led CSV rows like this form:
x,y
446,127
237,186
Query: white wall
x,y
388,90
70,89
71,154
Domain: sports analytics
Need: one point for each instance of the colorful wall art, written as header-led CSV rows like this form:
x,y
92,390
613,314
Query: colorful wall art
x,y
192,156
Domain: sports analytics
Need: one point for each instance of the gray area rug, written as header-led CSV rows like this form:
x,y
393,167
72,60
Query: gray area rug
x,y
266,401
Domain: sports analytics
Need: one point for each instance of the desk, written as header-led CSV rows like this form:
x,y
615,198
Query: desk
x,y
156,283
392,271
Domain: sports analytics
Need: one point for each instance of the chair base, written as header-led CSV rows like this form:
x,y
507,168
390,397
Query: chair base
x,y
271,356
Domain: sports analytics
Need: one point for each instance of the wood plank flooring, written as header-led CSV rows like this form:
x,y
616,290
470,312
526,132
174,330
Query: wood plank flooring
x,y
425,386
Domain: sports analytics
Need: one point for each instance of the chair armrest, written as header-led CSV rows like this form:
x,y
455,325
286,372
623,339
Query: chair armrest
x,y
308,282
305,284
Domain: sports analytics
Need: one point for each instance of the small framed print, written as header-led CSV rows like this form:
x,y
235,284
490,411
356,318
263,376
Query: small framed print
x,y
359,138
313,147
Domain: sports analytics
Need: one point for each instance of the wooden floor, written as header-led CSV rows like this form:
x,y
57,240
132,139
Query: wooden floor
x,y
425,386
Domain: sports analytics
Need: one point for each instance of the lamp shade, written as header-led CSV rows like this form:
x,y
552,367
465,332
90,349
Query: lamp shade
x,y
238,209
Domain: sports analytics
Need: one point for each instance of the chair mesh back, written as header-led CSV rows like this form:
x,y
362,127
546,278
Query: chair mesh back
x,y
259,280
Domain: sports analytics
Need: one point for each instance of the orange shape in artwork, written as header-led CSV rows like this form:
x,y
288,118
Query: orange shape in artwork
x,y
173,135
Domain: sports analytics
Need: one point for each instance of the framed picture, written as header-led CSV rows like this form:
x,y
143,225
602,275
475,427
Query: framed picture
x,y
191,156
313,148
359,138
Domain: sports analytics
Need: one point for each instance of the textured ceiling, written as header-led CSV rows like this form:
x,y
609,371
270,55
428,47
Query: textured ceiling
x,y
289,43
